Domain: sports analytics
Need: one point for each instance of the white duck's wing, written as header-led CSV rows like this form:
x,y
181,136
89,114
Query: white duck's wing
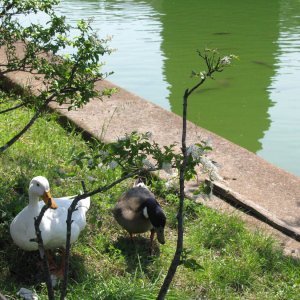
x,y
54,225
22,230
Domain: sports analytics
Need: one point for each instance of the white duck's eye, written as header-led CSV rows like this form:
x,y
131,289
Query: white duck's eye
x,y
38,184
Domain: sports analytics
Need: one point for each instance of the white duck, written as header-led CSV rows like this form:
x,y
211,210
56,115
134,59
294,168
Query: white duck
x,y
53,225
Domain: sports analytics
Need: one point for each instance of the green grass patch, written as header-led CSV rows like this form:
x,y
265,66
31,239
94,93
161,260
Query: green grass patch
x,y
221,260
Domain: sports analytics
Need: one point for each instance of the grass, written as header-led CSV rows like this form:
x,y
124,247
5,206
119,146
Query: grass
x,y
222,259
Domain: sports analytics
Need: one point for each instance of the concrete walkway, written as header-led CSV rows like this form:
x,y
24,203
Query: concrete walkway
x,y
269,192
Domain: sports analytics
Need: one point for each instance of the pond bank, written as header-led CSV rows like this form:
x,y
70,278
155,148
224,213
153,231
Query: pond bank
x,y
267,191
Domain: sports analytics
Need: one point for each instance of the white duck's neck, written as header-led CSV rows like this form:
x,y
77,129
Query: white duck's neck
x,y
34,203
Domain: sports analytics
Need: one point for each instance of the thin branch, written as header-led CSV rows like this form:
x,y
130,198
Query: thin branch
x,y
180,230
73,71
39,240
19,67
179,247
209,74
189,92
27,126
69,220
19,134
83,186
12,108
3,72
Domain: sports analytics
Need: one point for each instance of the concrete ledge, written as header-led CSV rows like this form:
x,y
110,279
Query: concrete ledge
x,y
258,211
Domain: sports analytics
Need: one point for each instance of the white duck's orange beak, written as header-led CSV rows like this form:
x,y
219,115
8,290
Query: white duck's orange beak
x,y
49,200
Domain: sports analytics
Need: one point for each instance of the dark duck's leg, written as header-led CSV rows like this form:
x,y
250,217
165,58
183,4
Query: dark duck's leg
x,y
152,234
51,261
54,269
60,272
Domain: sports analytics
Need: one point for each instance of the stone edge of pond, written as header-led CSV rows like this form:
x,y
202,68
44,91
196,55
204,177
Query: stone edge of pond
x,y
249,181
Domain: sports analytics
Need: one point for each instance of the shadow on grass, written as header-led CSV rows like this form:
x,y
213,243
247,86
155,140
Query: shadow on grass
x,y
137,253
25,268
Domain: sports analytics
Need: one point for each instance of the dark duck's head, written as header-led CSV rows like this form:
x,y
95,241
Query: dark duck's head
x,y
154,212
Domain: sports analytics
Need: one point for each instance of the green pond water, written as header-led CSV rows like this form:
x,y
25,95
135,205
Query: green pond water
x,y
255,103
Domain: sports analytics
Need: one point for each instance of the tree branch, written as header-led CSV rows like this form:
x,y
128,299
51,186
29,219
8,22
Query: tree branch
x,y
189,92
69,221
179,247
27,126
180,230
12,108
39,240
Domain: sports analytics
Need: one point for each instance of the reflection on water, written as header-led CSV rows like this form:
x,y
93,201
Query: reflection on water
x,y
281,143
235,104
253,103
135,29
